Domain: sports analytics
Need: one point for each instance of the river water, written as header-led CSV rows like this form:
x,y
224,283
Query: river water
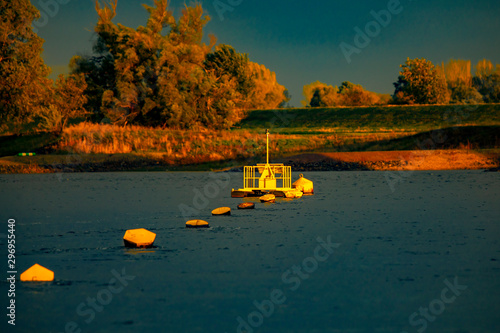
x,y
369,252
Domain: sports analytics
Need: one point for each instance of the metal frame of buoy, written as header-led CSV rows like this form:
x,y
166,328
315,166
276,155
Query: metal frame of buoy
x,y
264,178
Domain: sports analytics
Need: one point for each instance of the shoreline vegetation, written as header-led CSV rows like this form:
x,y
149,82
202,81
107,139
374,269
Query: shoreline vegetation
x,y
161,97
433,137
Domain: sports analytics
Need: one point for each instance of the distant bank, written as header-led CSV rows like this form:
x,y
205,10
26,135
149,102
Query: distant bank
x,y
366,138
454,159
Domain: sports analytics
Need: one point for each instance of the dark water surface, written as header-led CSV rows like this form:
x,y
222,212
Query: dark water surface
x,y
423,255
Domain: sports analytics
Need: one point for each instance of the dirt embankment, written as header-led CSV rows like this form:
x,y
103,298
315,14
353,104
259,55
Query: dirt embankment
x,y
395,160
342,161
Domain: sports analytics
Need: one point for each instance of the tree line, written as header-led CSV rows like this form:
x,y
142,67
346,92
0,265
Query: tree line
x,y
162,74
159,74
419,82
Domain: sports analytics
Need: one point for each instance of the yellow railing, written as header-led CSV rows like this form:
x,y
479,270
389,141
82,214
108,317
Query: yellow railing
x,y
278,177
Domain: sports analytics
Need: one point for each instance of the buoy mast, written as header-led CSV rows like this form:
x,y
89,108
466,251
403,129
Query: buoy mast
x,y
267,146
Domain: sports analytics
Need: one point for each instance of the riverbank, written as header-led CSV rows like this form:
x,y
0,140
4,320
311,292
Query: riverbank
x,y
456,159
397,160
382,138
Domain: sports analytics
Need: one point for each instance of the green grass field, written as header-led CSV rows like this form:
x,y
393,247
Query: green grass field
x,y
380,119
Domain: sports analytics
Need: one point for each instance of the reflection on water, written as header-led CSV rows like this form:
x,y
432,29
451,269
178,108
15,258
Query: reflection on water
x,y
396,250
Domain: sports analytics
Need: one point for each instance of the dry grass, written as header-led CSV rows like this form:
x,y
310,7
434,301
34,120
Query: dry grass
x,y
191,146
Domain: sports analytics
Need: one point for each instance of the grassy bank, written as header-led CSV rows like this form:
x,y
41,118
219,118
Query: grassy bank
x,y
93,147
379,119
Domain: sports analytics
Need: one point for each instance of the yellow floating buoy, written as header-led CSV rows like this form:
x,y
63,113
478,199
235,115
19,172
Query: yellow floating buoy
x,y
246,205
37,273
139,238
222,211
268,198
304,185
197,224
295,193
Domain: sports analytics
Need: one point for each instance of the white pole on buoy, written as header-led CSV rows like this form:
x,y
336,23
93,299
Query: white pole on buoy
x,y
267,147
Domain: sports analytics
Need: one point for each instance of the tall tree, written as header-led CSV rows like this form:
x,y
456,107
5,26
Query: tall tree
x,y
354,95
23,91
26,94
420,82
100,76
487,81
459,81
166,76
319,94
226,62
266,93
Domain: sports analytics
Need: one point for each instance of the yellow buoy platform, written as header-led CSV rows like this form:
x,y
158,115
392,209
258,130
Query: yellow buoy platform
x,y
222,211
139,238
37,273
197,224
304,185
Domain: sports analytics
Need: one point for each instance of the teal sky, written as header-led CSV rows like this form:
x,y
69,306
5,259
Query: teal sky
x,y
301,41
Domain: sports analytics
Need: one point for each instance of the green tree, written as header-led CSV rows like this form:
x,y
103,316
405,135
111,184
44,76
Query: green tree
x,y
320,94
325,96
287,97
354,95
420,82
226,61
100,76
24,74
157,76
266,93
26,94
347,94
164,75
459,82
487,81
67,101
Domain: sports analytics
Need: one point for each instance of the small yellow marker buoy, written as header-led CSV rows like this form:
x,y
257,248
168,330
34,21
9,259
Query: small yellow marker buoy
x,y
295,193
246,205
222,211
37,273
139,238
304,185
197,224
268,198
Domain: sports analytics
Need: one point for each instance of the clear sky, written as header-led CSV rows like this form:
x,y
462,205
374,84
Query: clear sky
x,y
301,41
